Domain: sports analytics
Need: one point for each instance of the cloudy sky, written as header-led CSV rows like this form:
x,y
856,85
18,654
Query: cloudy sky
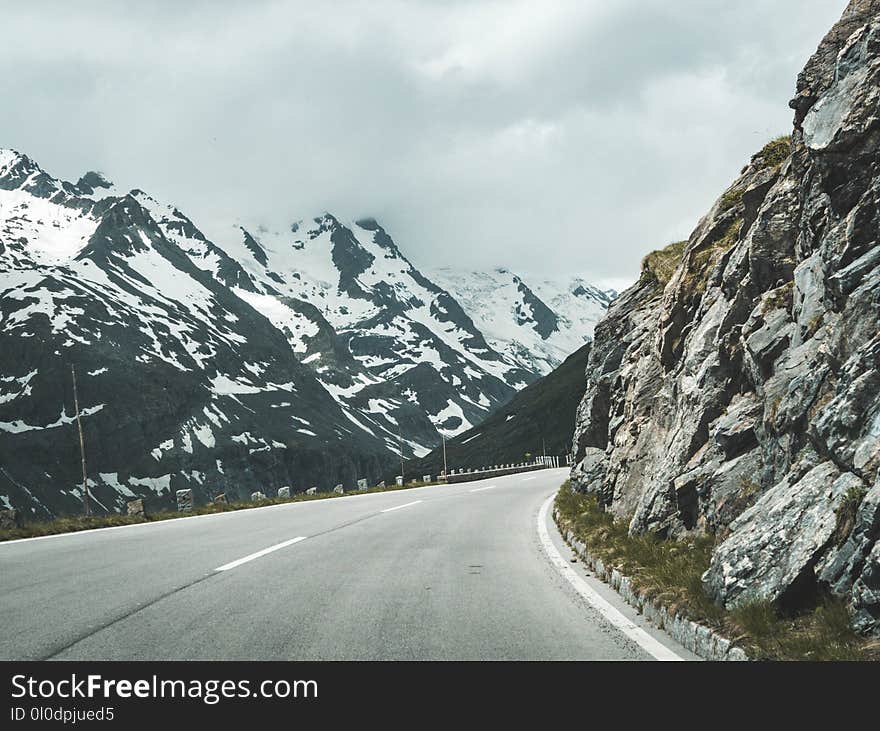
x,y
550,136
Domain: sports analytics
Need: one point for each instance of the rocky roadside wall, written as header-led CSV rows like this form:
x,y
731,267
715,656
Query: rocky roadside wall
x,y
735,389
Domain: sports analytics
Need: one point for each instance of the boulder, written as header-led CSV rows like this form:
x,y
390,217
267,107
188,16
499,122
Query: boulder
x,y
284,493
312,491
257,496
362,484
338,490
9,519
135,507
774,546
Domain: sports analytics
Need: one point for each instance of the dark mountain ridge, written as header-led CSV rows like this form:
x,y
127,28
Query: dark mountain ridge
x,y
537,420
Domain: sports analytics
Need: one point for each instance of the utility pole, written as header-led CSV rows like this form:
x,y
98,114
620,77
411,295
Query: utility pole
x,y
400,450
82,447
444,456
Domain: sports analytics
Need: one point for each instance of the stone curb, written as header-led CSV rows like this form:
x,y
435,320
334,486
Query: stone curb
x,y
696,637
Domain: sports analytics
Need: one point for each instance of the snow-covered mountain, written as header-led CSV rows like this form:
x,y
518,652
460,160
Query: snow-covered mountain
x,y
536,324
181,382
396,351
303,356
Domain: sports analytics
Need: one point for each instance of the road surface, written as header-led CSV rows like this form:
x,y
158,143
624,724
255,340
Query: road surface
x,y
452,572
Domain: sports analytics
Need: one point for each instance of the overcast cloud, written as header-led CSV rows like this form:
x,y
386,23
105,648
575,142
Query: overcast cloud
x,y
551,136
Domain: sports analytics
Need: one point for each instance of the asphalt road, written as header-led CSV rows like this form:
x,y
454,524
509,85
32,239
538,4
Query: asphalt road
x,y
455,572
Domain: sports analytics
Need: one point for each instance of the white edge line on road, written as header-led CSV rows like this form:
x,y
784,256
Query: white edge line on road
x,y
526,479
398,507
258,554
480,489
650,644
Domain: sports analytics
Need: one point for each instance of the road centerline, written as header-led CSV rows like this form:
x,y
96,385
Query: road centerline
x,y
259,554
398,507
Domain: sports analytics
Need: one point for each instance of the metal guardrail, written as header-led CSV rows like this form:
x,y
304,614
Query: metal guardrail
x,y
469,475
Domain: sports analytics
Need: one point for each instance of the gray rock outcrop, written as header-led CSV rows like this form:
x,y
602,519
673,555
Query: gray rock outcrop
x,y
735,388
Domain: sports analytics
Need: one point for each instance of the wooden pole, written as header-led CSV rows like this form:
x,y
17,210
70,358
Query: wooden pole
x,y
82,447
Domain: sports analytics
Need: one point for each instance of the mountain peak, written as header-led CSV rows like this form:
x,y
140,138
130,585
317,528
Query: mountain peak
x,y
92,180
257,251
16,168
369,223
8,158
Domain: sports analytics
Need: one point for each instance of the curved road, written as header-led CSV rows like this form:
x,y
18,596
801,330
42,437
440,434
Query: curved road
x,y
454,572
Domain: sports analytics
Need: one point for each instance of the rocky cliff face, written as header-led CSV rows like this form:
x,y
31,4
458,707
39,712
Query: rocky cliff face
x,y
735,388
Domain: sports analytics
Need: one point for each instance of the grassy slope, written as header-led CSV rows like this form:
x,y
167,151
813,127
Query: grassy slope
x,y
545,409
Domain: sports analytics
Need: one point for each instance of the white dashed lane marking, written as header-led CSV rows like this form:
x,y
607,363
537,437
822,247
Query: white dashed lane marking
x,y
398,507
259,554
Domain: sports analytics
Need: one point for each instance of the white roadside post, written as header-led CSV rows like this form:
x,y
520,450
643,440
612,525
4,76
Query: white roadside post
x,y
184,500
